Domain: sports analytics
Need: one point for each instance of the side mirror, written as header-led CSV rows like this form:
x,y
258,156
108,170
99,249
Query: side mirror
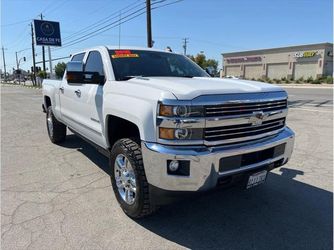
x,y
93,78
74,72
210,71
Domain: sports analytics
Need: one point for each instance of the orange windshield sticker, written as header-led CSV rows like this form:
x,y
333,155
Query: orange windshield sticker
x,y
125,56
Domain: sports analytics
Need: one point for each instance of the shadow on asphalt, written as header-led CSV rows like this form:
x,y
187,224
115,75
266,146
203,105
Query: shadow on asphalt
x,y
281,214
75,142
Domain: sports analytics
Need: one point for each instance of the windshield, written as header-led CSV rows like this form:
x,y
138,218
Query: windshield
x,y
132,63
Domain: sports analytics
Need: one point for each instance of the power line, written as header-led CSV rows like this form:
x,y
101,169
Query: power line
x,y
20,40
163,5
104,20
92,34
11,24
123,19
116,14
49,5
108,27
54,59
60,4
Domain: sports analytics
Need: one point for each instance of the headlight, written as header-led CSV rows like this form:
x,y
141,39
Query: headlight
x,y
181,133
180,111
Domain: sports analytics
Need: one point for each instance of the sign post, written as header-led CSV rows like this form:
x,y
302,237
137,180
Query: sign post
x,y
47,33
50,63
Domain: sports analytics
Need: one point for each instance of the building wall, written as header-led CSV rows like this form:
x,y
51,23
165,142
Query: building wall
x,y
328,61
305,61
277,70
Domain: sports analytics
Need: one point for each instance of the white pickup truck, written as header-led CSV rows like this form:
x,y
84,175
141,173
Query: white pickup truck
x,y
166,125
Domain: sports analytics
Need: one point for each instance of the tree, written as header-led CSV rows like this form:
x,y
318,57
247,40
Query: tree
x,y
204,63
42,74
60,69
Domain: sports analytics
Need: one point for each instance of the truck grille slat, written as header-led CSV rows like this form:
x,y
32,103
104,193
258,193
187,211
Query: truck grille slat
x,y
244,127
243,132
231,106
244,108
246,134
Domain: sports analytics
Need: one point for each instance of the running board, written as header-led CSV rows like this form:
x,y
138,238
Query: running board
x,y
103,151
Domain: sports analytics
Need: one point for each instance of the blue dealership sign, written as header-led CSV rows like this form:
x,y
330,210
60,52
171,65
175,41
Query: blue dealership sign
x,y
47,33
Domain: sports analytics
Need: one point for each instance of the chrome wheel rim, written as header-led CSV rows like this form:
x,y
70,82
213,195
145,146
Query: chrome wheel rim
x,y
50,124
125,179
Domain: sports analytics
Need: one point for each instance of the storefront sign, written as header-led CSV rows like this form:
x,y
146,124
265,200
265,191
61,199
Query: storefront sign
x,y
305,54
47,33
244,59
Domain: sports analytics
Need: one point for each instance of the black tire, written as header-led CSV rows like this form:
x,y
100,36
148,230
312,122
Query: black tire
x,y
142,205
57,133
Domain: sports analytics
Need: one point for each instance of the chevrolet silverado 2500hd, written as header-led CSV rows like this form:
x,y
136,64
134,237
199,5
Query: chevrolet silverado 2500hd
x,y
166,125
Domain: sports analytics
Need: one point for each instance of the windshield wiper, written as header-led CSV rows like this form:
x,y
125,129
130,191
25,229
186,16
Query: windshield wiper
x,y
186,76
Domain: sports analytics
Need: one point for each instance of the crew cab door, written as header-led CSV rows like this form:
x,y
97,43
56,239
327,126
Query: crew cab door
x,y
90,99
68,99
81,102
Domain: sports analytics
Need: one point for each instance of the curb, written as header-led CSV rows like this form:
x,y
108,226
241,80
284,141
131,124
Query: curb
x,y
306,86
17,85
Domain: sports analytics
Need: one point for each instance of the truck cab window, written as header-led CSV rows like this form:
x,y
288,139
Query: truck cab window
x,y
94,63
78,57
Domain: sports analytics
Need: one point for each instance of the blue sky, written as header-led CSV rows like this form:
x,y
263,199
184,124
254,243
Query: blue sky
x,y
212,26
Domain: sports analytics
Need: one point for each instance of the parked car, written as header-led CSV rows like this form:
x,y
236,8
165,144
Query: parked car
x,y
168,127
231,77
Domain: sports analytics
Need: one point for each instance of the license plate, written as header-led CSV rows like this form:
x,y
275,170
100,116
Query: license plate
x,y
256,179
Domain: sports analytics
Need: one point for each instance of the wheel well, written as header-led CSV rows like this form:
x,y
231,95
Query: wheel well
x,y
119,128
47,101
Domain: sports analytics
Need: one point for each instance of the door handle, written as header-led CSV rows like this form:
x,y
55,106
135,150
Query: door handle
x,y
61,89
78,92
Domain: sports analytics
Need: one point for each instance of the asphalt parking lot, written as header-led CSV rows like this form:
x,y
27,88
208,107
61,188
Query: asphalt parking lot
x,y
60,197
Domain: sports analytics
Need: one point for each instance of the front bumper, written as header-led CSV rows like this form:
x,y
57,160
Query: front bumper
x,y
204,162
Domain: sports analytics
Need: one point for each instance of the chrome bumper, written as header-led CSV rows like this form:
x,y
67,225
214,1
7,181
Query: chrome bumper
x,y
204,161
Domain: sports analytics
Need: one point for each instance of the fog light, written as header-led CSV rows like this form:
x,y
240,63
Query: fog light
x,y
173,166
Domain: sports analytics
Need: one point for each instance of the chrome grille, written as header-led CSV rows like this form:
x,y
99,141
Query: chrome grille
x,y
230,109
242,130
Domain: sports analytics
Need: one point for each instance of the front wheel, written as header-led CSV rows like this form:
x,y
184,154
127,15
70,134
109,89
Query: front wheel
x,y
129,180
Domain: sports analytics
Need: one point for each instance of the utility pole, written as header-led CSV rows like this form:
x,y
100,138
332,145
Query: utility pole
x,y
185,41
4,63
17,67
17,61
33,55
148,22
43,50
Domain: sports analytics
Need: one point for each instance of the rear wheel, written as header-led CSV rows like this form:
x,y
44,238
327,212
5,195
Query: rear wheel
x,y
129,180
56,129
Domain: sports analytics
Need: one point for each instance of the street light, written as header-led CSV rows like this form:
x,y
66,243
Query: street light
x,y
18,66
18,63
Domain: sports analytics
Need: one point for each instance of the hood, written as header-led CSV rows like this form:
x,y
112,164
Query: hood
x,y
189,88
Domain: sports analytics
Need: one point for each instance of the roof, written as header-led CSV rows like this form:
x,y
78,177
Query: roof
x,y
279,49
134,48
118,48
